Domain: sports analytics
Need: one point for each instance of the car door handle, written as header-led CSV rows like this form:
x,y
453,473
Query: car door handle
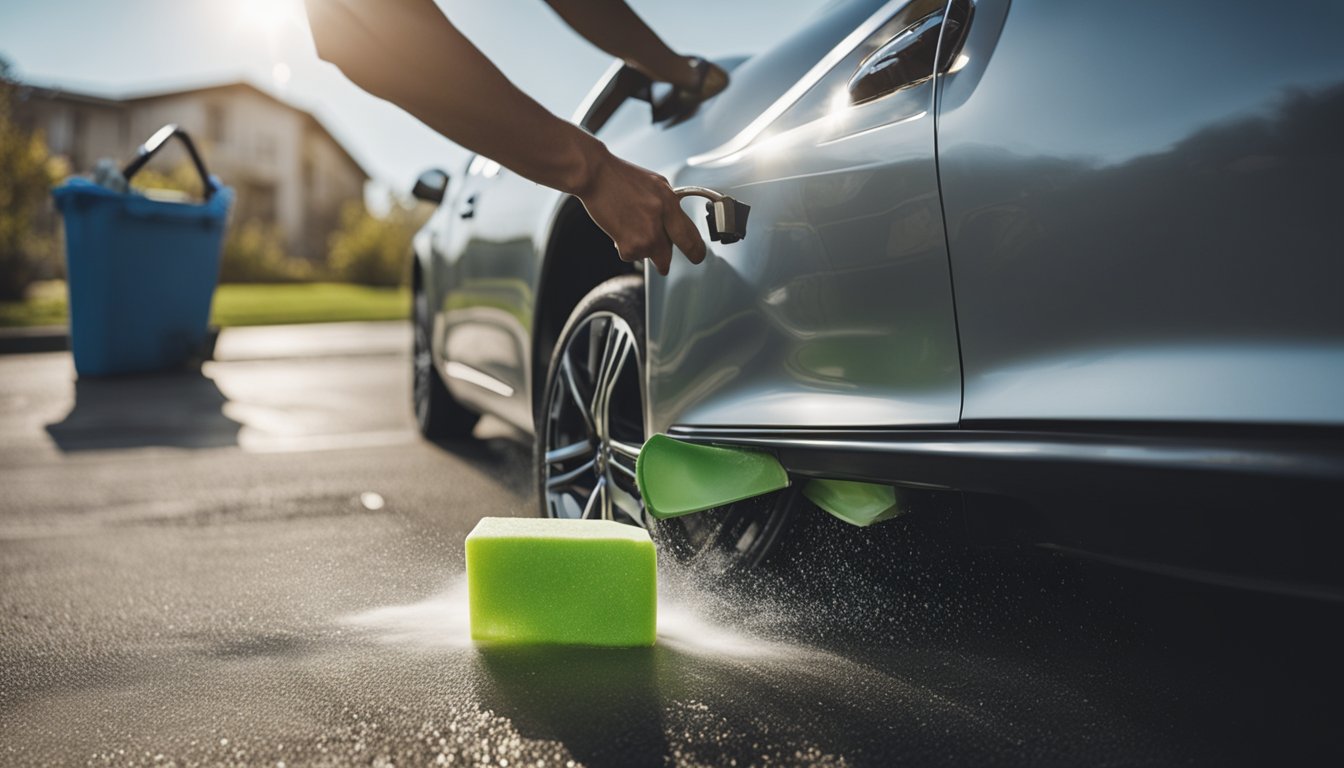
x,y
469,207
905,60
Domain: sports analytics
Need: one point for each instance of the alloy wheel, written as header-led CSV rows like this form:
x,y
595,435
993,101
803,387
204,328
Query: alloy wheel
x,y
594,424
590,429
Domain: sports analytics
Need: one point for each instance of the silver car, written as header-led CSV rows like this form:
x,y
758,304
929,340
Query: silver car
x,y
1075,266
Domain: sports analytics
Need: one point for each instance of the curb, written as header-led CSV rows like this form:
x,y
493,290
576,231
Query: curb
x,y
56,338
38,338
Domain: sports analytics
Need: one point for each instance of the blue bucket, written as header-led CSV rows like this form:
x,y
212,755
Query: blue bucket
x,y
141,272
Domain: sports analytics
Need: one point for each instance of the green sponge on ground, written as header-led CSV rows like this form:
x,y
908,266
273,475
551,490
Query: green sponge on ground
x,y
566,582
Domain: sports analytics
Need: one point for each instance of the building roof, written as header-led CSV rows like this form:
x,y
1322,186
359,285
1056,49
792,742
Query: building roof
x,y
26,90
217,87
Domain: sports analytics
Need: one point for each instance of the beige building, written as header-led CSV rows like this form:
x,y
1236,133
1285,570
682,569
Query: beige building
x,y
287,168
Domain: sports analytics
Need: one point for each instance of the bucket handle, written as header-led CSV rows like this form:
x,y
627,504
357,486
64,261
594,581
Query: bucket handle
x,y
156,142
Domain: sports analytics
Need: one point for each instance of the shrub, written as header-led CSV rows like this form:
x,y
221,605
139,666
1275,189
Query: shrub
x,y
255,253
182,178
373,251
27,172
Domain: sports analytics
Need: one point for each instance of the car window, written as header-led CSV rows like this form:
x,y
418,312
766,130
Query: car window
x,y
630,115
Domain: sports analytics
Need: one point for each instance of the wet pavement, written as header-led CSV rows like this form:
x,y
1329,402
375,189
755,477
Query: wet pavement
x,y
261,564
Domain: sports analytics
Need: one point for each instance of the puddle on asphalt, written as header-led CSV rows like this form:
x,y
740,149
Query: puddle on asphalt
x,y
847,654
664,702
719,684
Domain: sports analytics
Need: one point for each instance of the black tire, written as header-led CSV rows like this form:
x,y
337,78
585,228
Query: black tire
x,y
584,465
437,414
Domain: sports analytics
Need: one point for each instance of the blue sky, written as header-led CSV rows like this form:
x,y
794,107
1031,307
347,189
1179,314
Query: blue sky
x,y
115,47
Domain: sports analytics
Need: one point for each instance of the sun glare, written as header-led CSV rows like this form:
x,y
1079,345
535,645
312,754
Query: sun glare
x,y
280,74
266,16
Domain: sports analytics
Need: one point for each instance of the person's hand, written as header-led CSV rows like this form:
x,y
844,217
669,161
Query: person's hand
x,y
638,210
711,79
695,79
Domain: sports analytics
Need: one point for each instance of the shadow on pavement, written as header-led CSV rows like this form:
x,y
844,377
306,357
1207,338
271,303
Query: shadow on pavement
x,y
176,410
496,452
603,704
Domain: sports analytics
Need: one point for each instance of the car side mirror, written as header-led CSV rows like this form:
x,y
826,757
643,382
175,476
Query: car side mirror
x,y
430,186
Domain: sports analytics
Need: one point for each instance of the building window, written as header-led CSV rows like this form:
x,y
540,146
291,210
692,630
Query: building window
x,y
266,147
60,133
214,123
256,202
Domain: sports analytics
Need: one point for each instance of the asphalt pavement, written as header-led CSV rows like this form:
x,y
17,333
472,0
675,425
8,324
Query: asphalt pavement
x,y
261,564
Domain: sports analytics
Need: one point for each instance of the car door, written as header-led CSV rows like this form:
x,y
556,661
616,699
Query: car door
x,y
836,310
1141,204
490,279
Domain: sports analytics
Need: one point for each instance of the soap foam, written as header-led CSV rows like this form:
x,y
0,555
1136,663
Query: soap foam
x,y
443,620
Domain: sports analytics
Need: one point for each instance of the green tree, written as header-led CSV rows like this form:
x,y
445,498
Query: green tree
x,y
373,250
27,173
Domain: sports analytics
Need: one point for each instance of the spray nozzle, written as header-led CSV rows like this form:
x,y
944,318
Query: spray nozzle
x,y
727,217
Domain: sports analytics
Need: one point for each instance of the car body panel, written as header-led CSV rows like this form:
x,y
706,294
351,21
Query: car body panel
x,y
836,310
488,265
1184,268
488,310
1141,208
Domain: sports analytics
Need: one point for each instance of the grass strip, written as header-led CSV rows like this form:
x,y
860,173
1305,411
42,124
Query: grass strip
x,y
239,304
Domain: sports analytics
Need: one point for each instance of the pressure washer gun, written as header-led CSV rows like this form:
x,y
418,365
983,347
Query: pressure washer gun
x,y
727,216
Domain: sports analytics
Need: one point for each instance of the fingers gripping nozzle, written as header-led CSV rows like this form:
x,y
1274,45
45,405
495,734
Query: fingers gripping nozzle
x,y
727,217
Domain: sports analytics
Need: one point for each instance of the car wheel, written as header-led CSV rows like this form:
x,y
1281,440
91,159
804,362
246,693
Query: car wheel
x,y
590,427
437,414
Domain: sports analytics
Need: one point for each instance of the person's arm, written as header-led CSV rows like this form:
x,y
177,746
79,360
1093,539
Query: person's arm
x,y
615,28
407,52
612,26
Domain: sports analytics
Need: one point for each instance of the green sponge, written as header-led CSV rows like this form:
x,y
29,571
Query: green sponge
x,y
565,582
